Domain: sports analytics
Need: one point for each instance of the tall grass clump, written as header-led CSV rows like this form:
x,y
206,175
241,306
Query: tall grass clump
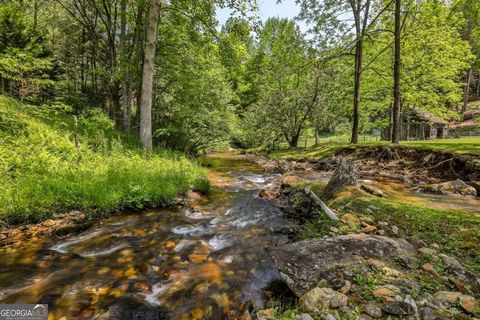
x,y
43,172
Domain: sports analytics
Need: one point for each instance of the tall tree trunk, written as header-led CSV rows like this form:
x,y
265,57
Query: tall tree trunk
x,y
356,92
147,74
466,92
396,76
123,62
316,136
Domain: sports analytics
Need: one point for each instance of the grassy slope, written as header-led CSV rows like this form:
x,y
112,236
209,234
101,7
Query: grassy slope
x,y
42,173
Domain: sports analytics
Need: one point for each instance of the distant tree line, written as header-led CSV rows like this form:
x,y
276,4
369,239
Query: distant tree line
x,y
166,70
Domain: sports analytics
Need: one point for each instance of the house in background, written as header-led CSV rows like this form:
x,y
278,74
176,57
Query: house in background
x,y
419,125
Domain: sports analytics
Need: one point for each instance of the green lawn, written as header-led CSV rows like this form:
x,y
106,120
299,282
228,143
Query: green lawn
x,y
328,147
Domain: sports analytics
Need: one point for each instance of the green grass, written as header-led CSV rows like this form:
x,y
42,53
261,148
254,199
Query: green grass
x,y
42,173
326,148
456,233
461,145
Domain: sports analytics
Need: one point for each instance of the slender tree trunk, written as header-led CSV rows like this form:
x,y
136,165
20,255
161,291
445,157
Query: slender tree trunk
x,y
127,98
123,62
35,14
466,91
147,75
396,76
356,92
478,84
316,136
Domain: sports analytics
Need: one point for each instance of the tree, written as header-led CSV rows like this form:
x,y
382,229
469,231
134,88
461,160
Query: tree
x,y
330,25
26,65
193,109
470,9
433,61
396,75
288,81
147,74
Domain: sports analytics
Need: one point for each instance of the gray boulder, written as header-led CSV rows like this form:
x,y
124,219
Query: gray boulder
x,y
302,264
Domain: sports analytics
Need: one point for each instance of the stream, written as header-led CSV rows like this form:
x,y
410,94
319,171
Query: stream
x,y
198,263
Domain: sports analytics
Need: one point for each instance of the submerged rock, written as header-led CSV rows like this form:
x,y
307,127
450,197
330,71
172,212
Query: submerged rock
x,y
269,194
449,187
303,263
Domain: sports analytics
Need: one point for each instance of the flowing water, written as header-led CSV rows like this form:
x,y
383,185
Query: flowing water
x,y
199,263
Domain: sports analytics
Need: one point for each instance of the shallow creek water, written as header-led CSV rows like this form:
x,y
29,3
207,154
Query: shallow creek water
x,y
400,191
188,264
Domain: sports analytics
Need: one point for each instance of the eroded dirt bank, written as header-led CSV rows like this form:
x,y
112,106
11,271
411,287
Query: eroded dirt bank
x,y
407,164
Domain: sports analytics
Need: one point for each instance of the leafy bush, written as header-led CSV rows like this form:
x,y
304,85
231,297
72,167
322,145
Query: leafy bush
x,y
42,172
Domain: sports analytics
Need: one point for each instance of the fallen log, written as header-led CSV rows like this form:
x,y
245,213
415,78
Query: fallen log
x,y
320,204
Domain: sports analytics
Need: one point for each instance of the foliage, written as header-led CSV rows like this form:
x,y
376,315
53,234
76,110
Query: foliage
x,y
194,96
288,83
43,174
26,67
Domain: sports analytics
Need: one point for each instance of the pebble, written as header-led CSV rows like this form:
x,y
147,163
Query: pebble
x,y
328,316
427,313
303,316
338,300
445,297
384,293
428,267
346,287
394,229
468,303
398,308
372,309
369,229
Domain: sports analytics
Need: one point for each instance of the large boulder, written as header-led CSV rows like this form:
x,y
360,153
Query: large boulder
x,y
449,187
302,264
